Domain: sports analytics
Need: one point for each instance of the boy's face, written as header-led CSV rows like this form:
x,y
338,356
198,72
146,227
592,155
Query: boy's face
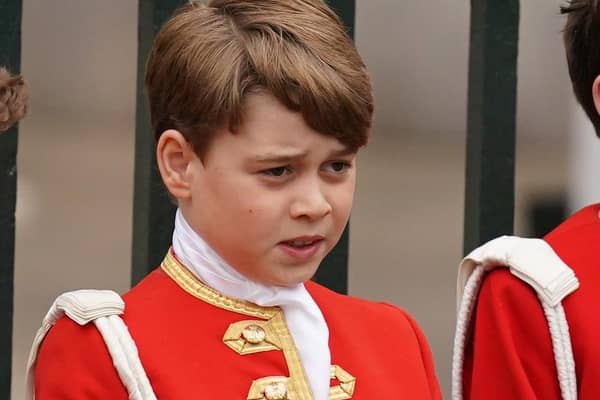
x,y
273,198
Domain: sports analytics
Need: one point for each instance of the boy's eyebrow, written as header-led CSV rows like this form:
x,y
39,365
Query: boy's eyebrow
x,y
284,157
280,157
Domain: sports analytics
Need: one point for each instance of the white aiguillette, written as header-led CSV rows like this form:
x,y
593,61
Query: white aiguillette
x,y
531,260
534,262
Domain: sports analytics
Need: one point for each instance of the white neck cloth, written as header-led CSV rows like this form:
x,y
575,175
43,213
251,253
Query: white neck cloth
x,y
304,318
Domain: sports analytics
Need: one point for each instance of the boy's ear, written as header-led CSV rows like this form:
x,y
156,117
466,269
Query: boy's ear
x,y
174,156
596,93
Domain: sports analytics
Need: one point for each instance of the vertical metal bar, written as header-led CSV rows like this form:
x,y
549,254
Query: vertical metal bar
x,y
10,56
153,213
490,171
333,271
346,10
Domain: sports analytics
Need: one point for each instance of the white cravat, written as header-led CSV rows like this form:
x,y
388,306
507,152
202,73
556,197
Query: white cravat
x,y
304,318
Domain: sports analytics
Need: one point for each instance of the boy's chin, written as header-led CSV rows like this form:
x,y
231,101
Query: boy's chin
x,y
293,278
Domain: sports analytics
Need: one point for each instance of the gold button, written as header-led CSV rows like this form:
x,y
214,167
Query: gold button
x,y
254,334
276,391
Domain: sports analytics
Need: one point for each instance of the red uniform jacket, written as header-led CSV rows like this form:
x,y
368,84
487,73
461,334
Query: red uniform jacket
x,y
510,355
183,331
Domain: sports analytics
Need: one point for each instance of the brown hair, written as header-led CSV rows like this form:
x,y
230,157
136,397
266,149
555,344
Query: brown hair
x,y
582,45
208,57
14,98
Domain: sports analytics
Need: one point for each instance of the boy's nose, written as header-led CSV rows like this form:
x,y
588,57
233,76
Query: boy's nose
x,y
311,203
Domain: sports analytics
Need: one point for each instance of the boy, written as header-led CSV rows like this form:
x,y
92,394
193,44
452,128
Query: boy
x,y
531,340
259,108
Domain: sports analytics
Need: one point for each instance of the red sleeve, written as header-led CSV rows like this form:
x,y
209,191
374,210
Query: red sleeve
x,y
74,364
426,356
510,353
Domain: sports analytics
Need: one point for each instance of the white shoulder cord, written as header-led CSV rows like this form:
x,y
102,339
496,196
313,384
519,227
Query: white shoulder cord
x,y
463,322
103,307
563,351
536,263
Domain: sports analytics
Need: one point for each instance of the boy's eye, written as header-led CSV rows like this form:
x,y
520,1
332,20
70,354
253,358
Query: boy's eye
x,y
276,172
338,166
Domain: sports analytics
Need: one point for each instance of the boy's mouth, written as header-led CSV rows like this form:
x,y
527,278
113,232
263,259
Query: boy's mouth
x,y
302,248
302,242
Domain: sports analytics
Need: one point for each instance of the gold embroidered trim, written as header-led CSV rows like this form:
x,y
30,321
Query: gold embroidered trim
x,y
345,389
235,339
193,286
297,383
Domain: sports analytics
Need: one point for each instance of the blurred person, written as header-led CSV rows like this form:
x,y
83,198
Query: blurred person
x,y
528,331
14,97
259,109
